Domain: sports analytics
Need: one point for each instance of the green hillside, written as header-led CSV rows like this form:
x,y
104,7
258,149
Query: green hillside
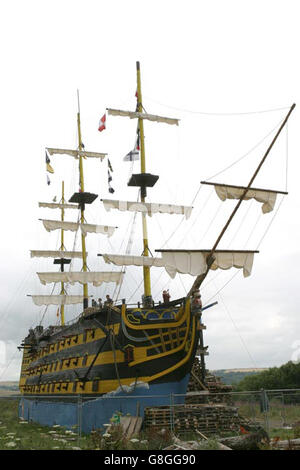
x,y
8,387
286,376
235,376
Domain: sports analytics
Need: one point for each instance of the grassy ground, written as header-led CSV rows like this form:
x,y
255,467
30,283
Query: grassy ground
x,y
17,434
20,435
279,415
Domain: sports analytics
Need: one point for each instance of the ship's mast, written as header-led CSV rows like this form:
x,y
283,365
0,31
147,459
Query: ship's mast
x,y
62,247
81,182
146,269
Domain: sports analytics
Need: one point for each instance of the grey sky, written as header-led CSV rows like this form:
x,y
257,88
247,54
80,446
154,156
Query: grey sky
x,y
196,57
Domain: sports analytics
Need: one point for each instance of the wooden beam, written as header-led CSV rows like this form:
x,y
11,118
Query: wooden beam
x,y
244,187
207,251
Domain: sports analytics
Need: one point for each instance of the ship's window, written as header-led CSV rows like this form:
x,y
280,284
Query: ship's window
x,y
95,385
129,354
82,385
84,360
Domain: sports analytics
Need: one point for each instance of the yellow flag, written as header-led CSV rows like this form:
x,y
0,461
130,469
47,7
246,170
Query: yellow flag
x,y
49,168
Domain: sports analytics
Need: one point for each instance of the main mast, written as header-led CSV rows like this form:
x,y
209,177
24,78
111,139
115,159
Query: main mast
x,y
81,183
146,269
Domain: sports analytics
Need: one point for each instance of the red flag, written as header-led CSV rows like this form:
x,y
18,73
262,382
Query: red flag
x,y
102,123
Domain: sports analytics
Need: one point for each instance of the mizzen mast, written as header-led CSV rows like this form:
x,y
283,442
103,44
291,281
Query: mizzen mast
x,y
62,248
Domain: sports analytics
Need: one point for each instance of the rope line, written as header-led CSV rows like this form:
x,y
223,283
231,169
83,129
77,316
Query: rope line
x,y
270,223
247,153
205,113
9,364
237,330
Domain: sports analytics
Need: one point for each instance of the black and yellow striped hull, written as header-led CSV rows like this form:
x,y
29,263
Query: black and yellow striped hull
x,y
110,348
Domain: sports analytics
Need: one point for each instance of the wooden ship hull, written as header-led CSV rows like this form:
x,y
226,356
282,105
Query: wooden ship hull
x,y
108,353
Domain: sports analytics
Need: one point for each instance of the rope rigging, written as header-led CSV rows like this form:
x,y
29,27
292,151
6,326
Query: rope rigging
x,y
205,113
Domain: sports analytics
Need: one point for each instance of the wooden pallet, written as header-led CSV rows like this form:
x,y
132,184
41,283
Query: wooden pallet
x,y
208,419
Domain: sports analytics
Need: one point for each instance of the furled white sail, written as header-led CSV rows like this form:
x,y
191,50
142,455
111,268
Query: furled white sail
x,y
146,207
268,198
95,278
57,299
59,224
73,226
76,153
55,254
131,260
91,228
194,262
187,262
54,205
149,117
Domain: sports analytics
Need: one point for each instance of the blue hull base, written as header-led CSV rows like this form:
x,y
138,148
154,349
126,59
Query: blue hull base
x,y
90,414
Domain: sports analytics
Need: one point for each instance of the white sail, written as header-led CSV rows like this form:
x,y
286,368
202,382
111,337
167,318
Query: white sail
x,y
268,198
58,224
131,260
187,262
149,117
55,254
57,299
76,153
103,229
194,262
73,226
146,207
54,205
95,278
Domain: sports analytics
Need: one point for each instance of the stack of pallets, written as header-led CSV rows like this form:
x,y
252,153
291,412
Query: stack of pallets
x,y
209,419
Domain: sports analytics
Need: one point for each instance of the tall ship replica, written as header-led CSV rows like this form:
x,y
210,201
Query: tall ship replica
x,y
115,355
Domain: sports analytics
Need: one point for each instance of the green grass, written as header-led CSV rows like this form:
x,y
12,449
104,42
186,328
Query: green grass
x,y
279,414
21,435
18,435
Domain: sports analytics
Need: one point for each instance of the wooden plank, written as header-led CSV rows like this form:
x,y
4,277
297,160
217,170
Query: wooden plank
x,y
131,425
125,423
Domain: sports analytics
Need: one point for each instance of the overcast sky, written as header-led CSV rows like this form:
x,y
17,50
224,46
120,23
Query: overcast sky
x,y
214,65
